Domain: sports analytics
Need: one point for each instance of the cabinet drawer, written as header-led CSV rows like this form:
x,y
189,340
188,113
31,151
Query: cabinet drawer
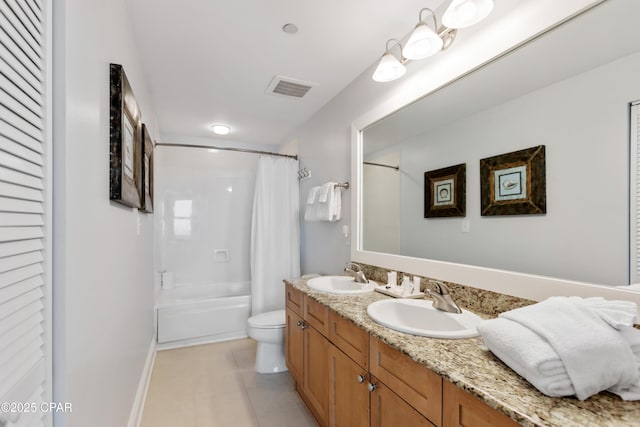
x,y
464,410
349,338
414,383
294,299
316,315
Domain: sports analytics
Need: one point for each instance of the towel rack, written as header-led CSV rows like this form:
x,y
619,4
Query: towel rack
x,y
344,185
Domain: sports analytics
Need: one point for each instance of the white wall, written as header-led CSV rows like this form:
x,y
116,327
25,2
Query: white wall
x,y
103,293
218,187
325,140
583,122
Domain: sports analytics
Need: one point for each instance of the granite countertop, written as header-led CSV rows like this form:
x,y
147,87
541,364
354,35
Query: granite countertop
x,y
469,365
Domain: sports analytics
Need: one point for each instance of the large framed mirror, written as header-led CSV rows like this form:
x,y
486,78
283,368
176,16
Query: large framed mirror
x,y
569,89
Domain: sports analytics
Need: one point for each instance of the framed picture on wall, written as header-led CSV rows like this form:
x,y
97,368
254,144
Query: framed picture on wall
x,y
445,192
514,183
125,141
147,170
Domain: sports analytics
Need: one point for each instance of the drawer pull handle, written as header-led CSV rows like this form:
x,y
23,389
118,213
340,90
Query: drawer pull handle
x,y
361,379
372,386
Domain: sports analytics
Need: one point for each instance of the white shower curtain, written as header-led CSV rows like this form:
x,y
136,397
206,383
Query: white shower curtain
x,y
275,232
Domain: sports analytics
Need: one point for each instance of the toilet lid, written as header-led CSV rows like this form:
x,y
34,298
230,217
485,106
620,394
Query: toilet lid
x,y
270,319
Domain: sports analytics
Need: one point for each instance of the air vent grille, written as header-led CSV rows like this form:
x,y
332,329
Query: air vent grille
x,y
286,86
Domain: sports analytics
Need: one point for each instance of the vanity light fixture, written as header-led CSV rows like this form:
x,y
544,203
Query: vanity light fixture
x,y
425,42
220,129
390,68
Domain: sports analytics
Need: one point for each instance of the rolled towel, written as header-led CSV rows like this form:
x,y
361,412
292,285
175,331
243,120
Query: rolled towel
x,y
533,356
594,354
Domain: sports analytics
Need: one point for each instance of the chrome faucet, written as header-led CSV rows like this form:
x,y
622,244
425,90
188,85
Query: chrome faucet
x,y
441,298
356,271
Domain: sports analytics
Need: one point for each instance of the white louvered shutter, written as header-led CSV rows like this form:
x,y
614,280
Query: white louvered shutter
x,y
24,294
634,197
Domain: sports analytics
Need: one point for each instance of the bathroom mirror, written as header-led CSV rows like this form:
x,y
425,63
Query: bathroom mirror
x,y
569,89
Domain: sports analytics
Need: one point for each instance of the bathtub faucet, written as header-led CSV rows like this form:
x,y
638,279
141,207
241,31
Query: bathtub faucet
x,y
356,271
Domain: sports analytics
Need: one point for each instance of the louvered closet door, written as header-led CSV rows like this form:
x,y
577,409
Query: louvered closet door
x,y
23,341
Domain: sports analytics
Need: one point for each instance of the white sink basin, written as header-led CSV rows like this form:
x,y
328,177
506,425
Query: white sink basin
x,y
418,317
342,285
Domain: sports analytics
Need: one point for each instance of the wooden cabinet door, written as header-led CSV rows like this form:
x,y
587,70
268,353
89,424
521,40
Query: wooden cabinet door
x,y
389,410
294,345
316,374
348,392
464,410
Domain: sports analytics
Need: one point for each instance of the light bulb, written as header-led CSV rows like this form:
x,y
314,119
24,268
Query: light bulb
x,y
389,68
464,13
220,129
422,43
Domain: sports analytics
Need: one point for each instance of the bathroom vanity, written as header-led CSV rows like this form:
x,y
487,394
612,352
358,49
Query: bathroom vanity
x,y
351,371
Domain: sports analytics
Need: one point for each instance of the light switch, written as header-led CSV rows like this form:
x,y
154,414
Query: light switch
x,y
466,226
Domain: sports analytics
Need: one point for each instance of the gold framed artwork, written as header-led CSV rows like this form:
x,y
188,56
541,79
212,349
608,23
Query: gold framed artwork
x,y
514,183
147,170
445,192
125,141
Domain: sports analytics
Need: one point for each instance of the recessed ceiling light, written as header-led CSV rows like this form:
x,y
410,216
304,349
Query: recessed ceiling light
x,y
220,129
290,28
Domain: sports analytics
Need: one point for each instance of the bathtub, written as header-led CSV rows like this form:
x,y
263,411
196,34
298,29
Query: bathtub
x,y
196,314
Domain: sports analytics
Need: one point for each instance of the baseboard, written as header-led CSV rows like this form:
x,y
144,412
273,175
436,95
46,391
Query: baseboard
x,y
135,418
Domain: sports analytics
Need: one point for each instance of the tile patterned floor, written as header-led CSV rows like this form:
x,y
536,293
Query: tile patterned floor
x,y
214,385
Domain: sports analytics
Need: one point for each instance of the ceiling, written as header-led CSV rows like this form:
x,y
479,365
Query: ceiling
x,y
210,61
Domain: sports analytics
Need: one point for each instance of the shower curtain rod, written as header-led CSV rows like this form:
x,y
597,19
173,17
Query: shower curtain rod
x,y
241,150
384,166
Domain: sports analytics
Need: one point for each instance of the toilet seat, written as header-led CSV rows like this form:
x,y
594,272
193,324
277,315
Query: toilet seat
x,y
269,320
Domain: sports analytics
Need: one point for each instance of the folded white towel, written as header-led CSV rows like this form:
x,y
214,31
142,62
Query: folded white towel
x,y
312,196
325,190
329,205
615,313
594,354
533,358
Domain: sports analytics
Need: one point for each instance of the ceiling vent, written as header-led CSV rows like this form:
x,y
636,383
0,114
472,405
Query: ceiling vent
x,y
288,87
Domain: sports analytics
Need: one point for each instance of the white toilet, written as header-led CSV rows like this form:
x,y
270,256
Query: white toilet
x,y
268,330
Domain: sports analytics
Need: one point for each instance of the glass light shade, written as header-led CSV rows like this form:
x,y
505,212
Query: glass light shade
x,y
220,129
389,68
423,43
464,13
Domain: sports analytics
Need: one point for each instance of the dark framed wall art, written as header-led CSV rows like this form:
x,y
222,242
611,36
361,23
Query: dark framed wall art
x,y
445,192
125,133
147,170
514,183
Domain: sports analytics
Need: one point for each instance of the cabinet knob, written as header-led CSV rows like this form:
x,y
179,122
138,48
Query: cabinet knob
x,y
372,386
302,325
361,379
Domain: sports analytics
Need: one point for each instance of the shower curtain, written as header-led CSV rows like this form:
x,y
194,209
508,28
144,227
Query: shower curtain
x,y
275,232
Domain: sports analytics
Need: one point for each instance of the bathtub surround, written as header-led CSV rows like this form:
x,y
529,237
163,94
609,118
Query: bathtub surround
x,y
275,232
